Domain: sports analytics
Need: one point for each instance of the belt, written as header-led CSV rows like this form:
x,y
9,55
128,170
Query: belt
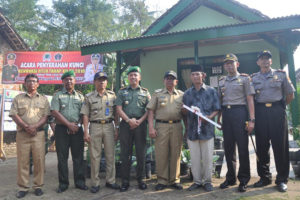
x,y
41,129
102,121
233,106
168,122
269,105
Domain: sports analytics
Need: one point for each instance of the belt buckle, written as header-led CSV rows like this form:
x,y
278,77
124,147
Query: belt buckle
x,y
268,105
228,106
170,122
102,121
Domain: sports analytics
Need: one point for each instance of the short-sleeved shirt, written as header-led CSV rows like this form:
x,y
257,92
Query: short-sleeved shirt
x,y
69,105
133,101
98,107
30,109
234,90
208,101
166,106
271,87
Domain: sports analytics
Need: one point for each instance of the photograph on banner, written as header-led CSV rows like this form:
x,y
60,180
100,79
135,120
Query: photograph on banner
x,y
50,65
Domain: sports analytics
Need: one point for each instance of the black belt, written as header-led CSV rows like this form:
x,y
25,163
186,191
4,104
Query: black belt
x,y
102,121
168,122
233,106
269,105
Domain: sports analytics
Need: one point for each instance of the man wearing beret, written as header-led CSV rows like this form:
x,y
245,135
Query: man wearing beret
x,y
65,107
10,71
165,106
131,105
93,68
273,91
99,110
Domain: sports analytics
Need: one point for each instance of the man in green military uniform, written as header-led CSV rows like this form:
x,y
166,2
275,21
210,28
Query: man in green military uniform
x,y
99,110
65,107
131,106
10,71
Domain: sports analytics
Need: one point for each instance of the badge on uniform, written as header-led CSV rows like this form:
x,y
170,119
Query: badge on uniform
x,y
126,102
275,77
106,111
257,91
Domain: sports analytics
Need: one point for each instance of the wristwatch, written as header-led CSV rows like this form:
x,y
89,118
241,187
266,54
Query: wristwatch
x,y
252,120
127,120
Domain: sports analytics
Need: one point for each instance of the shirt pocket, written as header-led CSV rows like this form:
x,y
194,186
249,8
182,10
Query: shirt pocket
x,y
77,103
22,110
141,101
257,86
276,83
95,108
40,108
162,101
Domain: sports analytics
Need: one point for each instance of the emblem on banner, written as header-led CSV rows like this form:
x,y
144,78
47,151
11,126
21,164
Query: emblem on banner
x,y
46,57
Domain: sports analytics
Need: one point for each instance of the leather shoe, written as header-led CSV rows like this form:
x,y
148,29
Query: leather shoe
x,y
95,189
112,186
282,187
124,187
160,187
226,184
176,186
242,188
38,192
21,194
194,186
142,185
82,187
208,187
262,183
61,189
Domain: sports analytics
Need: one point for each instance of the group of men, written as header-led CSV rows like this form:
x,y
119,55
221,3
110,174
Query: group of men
x,y
242,104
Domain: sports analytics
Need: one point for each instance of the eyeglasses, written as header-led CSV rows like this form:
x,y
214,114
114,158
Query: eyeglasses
x,y
31,81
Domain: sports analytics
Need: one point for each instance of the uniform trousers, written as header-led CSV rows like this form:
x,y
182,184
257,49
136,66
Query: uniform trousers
x,y
202,160
102,134
27,144
128,137
168,144
64,142
271,125
235,134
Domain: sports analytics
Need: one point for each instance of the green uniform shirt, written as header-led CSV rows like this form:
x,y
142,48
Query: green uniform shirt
x,y
133,101
69,105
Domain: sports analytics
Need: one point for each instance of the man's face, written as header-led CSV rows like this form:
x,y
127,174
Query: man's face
x,y
95,61
264,61
31,84
69,82
197,77
170,82
231,66
134,78
10,62
100,83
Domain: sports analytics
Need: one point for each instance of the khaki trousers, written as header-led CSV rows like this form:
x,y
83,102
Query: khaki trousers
x,y
202,160
168,144
102,134
26,144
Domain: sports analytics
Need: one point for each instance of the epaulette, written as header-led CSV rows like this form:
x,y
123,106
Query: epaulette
x,y
254,74
280,70
180,91
158,90
145,89
56,91
89,94
243,74
123,88
110,92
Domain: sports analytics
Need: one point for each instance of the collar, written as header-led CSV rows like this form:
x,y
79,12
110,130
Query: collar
x,y
65,91
96,93
233,77
36,94
166,91
130,88
204,87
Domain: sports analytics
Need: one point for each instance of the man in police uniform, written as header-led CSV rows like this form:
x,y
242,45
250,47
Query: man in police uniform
x,y
99,110
30,111
273,91
165,106
65,107
236,93
131,105
10,71
93,68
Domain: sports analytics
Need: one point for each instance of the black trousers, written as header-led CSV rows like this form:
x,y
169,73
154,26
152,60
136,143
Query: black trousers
x,y
271,125
129,137
64,142
234,133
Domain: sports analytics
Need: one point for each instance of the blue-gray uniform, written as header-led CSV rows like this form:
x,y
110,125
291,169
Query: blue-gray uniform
x,y
271,123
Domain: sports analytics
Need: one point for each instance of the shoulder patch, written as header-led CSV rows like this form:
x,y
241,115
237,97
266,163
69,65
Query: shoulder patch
x,y
254,74
243,74
110,92
145,89
89,94
158,90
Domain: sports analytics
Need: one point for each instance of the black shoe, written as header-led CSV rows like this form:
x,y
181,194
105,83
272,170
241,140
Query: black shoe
x,y
81,187
160,187
177,186
112,186
21,194
95,189
124,187
194,186
61,189
282,187
226,184
208,187
242,188
38,192
142,185
262,183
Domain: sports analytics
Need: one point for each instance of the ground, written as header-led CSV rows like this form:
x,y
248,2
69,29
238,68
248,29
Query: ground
x,y
8,188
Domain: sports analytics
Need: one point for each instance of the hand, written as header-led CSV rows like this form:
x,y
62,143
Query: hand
x,y
195,109
116,137
31,129
250,127
220,123
152,133
73,128
132,123
87,137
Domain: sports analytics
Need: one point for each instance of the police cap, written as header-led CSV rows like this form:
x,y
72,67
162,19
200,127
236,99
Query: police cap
x,y
100,75
264,53
170,73
231,57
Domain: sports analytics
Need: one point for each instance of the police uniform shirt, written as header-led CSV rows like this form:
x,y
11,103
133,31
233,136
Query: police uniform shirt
x,y
9,73
98,107
166,106
271,87
133,101
69,105
30,109
234,90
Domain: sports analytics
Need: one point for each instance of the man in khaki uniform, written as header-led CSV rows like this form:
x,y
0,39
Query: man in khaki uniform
x,y
30,111
165,107
99,110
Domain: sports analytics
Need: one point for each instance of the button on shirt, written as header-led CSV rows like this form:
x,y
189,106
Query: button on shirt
x,y
69,105
98,107
166,106
208,101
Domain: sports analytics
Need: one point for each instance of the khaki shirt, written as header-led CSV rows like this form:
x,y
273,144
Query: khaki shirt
x,y
166,106
98,107
234,90
271,87
30,109
69,105
133,101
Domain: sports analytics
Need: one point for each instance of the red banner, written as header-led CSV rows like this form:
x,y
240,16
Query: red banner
x,y
49,66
